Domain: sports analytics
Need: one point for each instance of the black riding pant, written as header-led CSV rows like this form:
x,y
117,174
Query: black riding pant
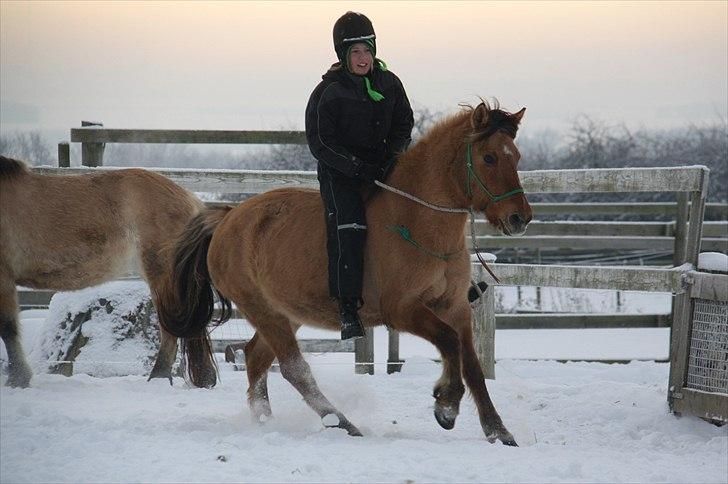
x,y
346,232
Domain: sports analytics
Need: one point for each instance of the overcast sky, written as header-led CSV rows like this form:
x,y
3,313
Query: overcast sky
x,y
252,65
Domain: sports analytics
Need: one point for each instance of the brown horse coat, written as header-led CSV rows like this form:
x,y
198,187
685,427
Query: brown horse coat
x,y
268,256
74,231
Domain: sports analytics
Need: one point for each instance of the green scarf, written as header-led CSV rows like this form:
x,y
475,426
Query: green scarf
x,y
374,95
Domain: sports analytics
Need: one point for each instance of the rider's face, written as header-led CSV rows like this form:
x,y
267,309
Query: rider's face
x,y
360,59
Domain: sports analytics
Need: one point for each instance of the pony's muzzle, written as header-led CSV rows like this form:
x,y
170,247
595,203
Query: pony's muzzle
x,y
515,225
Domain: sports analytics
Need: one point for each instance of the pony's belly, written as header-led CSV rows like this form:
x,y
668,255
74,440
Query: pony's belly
x,y
71,270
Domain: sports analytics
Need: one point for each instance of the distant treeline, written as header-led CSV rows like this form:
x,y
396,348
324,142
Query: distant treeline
x,y
586,144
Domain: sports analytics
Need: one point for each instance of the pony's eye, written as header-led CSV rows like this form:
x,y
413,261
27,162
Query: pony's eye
x,y
489,159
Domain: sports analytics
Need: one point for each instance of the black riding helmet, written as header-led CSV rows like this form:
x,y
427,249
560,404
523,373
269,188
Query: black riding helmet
x,y
351,28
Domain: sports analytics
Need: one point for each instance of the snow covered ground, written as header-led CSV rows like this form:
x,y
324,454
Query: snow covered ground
x,y
576,422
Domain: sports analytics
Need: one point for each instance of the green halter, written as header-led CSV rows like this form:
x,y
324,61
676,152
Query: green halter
x,y
472,174
405,233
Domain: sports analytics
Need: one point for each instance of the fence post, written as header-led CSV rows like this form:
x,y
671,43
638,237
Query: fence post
x,y
484,328
364,353
681,229
695,225
64,155
679,334
92,154
394,364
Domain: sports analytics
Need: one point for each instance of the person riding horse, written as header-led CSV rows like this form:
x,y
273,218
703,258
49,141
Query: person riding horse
x,y
358,119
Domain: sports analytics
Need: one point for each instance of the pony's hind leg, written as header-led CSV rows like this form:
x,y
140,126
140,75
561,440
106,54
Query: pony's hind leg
x,y
258,358
165,357
449,389
278,334
19,372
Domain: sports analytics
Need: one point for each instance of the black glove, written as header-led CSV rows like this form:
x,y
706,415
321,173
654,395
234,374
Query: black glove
x,y
369,172
387,168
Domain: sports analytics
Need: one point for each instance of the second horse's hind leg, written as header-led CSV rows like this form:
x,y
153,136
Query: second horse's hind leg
x,y
19,372
165,357
258,358
277,332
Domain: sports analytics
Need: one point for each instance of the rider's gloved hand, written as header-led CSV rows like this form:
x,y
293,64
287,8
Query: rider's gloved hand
x,y
369,172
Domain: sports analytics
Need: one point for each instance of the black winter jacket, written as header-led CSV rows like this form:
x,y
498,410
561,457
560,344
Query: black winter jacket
x,y
346,128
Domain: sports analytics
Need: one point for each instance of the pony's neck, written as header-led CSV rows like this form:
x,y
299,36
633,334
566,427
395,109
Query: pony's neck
x,y
433,170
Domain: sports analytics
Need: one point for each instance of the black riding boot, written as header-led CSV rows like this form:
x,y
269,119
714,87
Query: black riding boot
x,y
351,326
473,294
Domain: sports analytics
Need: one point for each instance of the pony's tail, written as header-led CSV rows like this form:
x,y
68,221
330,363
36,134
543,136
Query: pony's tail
x,y
187,305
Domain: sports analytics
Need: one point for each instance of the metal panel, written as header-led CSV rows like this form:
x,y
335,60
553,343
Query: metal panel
x,y
708,353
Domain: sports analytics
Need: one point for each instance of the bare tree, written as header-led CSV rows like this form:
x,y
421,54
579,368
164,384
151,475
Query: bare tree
x,y
26,146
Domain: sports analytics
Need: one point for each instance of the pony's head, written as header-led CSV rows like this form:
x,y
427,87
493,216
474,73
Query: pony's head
x,y
492,183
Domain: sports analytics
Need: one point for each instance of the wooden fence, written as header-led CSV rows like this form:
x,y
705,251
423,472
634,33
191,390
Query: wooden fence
x,y
684,236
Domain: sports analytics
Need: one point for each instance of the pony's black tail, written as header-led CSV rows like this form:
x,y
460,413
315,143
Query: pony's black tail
x,y
187,304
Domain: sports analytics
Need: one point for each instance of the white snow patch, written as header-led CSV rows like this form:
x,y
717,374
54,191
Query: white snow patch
x,y
331,420
713,261
105,354
586,422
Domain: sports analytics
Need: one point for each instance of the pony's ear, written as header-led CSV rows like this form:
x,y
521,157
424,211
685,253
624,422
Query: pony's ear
x,y
479,118
519,115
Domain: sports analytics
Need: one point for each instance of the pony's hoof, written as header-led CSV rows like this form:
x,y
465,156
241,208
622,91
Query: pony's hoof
x,y
504,436
508,440
262,419
19,378
445,416
332,420
351,429
204,379
18,382
156,375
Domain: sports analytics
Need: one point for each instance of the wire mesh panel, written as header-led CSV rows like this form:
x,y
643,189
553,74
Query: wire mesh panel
x,y
708,358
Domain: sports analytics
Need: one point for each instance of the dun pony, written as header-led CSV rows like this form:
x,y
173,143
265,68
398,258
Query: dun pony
x,y
69,232
268,256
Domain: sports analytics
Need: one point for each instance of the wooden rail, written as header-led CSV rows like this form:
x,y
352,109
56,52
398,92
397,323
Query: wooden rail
x,y
96,134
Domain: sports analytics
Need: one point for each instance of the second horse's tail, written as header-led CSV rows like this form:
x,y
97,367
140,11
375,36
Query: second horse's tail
x,y
188,303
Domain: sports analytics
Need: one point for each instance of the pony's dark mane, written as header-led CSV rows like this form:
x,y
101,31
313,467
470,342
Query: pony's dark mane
x,y
10,168
498,120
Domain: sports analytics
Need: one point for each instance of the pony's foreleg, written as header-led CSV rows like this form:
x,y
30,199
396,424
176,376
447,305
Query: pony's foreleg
x,y
449,389
490,421
19,372
282,340
165,357
258,358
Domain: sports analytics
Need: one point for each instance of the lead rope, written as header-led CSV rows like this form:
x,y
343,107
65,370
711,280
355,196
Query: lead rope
x,y
420,201
448,210
477,252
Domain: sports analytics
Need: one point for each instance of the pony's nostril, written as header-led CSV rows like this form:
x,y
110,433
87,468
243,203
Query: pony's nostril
x,y
516,220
